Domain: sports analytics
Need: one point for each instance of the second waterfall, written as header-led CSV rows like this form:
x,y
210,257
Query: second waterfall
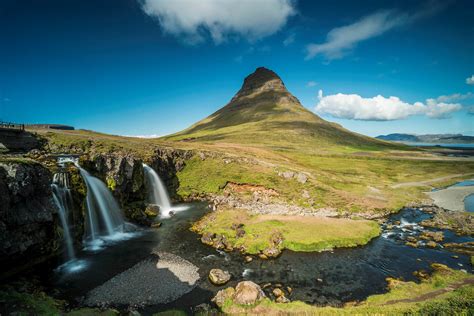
x,y
104,217
158,195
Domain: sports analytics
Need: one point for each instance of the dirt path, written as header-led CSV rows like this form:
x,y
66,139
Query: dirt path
x,y
432,294
428,182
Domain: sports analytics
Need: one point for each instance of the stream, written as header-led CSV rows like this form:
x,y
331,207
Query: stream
x,y
317,278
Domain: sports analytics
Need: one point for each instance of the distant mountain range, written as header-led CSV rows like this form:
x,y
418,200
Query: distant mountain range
x,y
429,138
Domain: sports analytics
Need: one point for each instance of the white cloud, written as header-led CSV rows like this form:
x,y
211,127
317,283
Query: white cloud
x,y
195,20
340,40
310,84
454,97
470,80
144,136
290,39
379,108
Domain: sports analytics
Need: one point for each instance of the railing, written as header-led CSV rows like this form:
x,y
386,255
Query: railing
x,y
10,125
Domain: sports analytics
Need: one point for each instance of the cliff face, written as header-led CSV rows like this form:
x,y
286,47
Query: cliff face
x,y
123,173
28,223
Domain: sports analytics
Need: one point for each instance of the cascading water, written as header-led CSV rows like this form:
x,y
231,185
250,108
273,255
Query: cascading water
x,y
62,198
158,195
100,204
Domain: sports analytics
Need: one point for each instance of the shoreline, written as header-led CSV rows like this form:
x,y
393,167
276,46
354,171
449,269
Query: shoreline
x,y
451,198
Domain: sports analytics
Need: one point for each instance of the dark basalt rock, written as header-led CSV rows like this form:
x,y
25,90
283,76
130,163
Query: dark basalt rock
x,y
28,221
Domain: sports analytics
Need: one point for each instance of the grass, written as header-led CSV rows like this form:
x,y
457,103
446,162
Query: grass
x,y
429,297
299,233
356,177
13,302
346,183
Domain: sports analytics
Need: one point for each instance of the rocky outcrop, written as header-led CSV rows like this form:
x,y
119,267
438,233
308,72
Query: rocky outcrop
x,y
124,175
28,222
18,140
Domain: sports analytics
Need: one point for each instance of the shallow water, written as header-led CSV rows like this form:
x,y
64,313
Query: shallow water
x,y
318,278
469,203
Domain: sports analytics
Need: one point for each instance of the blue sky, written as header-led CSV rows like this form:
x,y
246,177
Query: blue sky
x,y
154,67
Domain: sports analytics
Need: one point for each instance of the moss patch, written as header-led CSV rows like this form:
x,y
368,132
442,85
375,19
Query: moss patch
x,y
298,233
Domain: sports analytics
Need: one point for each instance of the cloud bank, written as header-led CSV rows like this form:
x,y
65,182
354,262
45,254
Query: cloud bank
x,y
341,40
379,108
195,20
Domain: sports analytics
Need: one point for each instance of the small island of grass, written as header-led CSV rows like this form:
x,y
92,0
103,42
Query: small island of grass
x,y
269,234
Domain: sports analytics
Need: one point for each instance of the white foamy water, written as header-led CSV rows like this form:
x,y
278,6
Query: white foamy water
x,y
158,195
72,266
104,217
247,272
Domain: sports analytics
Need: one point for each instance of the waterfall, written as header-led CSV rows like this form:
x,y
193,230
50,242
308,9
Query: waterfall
x,y
63,200
100,205
157,193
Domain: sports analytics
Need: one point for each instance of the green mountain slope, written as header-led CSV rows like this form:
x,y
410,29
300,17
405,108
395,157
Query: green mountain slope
x,y
264,112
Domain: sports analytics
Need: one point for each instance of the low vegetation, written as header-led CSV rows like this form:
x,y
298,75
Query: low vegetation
x,y
34,302
446,292
296,233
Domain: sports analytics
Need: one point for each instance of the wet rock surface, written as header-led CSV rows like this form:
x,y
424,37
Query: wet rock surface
x,y
27,215
461,223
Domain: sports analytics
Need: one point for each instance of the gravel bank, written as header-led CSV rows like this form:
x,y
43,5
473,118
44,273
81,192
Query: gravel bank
x,y
451,198
151,281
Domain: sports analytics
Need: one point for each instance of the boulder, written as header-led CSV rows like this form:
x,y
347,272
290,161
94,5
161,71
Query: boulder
x,y
219,277
301,178
222,296
282,299
152,210
247,293
278,292
262,256
240,232
429,235
271,252
248,259
156,225
207,238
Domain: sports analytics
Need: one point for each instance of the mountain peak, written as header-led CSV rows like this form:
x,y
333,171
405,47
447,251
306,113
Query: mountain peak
x,y
262,79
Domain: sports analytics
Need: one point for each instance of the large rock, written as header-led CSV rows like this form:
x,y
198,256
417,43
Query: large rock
x,y
219,277
247,293
27,215
152,210
223,295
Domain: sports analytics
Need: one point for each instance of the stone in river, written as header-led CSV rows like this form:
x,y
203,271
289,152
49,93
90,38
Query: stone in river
x,y
247,293
219,277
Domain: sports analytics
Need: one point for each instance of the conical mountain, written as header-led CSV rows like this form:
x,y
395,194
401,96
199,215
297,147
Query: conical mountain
x,y
264,112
